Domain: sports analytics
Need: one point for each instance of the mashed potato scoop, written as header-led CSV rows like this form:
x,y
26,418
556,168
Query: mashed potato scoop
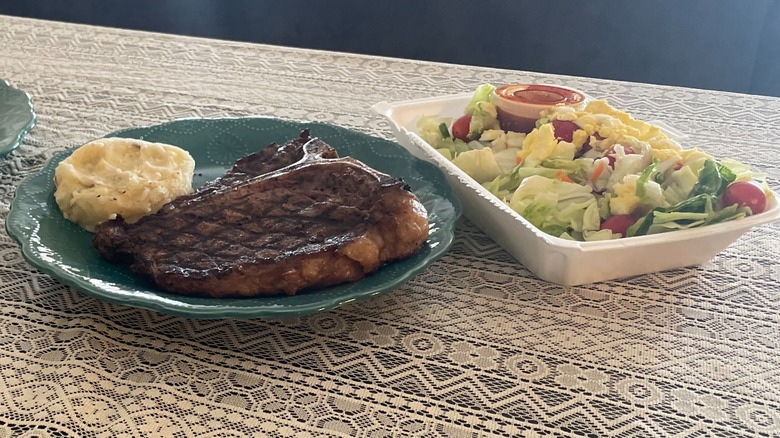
x,y
113,177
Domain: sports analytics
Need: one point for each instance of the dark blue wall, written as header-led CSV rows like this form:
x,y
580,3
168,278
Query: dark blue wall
x,y
731,45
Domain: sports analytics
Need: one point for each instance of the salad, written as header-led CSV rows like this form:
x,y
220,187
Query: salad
x,y
594,172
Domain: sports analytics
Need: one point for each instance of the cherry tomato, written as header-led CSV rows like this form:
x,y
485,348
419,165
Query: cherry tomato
x,y
618,223
564,129
460,129
745,194
611,156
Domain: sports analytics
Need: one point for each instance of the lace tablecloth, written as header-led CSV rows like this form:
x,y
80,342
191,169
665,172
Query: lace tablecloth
x,y
474,346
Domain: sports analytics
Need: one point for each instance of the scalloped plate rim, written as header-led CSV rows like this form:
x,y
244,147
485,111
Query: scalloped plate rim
x,y
22,130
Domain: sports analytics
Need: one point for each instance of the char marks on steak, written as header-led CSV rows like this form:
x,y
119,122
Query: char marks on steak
x,y
287,218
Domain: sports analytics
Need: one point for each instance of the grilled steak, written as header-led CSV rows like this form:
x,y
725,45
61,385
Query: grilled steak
x,y
287,218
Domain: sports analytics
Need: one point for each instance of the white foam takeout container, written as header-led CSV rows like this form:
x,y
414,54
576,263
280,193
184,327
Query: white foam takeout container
x,y
551,258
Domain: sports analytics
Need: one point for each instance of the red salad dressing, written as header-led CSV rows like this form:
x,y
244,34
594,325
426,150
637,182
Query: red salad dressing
x,y
519,105
539,94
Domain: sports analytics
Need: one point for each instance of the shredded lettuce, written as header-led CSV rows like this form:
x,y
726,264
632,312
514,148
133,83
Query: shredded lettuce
x,y
644,177
506,159
590,236
504,185
577,169
627,165
446,153
480,164
499,139
428,129
679,185
456,146
741,171
484,117
556,206
699,210
481,94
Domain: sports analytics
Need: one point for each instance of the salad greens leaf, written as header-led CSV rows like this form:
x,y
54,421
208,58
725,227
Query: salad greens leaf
x,y
591,220
454,145
506,184
479,164
679,185
446,153
481,94
713,179
627,165
644,177
580,166
444,130
605,234
693,212
542,121
556,206
697,204
506,159
603,204
483,118
577,169
428,128
742,172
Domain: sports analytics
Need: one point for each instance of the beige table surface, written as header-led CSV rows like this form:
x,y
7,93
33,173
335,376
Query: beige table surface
x,y
474,346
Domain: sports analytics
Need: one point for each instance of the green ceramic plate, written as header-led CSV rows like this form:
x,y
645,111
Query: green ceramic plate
x,y
17,117
64,251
